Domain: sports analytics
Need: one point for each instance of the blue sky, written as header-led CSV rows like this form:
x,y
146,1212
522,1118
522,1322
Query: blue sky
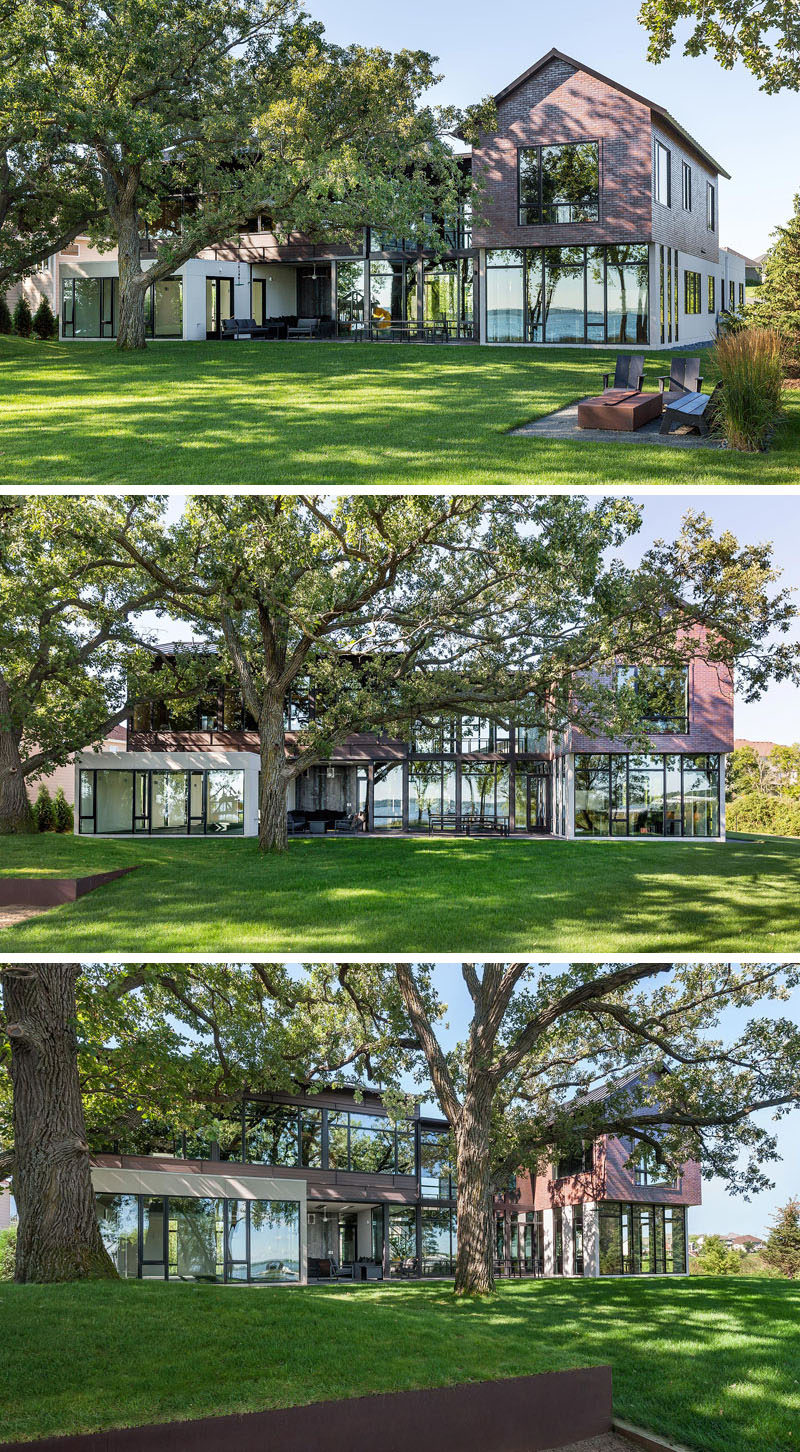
x,y
752,518
481,49
720,1211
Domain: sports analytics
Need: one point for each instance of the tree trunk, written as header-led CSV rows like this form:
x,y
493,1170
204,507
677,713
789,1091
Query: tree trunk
x,y
272,834
475,1201
58,1238
16,815
132,282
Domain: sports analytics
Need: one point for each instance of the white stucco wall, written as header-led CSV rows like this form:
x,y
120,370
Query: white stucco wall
x,y
281,290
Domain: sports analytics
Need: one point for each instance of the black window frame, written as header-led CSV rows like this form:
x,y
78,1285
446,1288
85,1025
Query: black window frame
x,y
539,147
711,207
659,147
692,293
684,757
712,293
686,186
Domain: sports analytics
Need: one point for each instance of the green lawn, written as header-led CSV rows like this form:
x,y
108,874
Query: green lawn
x,y
714,1363
416,895
80,414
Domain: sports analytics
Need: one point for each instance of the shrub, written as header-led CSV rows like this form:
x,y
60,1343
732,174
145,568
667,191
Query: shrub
x,y
782,1250
756,812
23,322
8,1252
44,323
715,1259
43,810
750,368
62,812
6,324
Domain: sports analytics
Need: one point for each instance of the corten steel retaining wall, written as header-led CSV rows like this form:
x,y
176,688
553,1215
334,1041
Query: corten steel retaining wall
x,y
52,891
520,1414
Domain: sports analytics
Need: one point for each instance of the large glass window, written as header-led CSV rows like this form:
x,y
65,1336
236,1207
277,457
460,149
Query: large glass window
x,y
164,308
701,796
236,1243
402,1241
641,1239
271,1134
711,207
196,1238
392,292
225,802
627,284
114,801
350,293
311,1138
388,798
592,795
559,184
169,803
437,1165
657,795
504,296
371,1144
484,792
447,298
577,1240
274,1240
646,795
424,792
658,694
118,1218
569,294
563,294
692,292
154,1264
438,1241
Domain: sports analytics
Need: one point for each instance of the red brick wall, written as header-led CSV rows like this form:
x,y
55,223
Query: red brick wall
x,y
610,1180
710,717
560,104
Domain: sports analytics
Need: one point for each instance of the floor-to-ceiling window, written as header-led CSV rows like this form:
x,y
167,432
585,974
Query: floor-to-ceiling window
x,y
403,1241
89,307
161,802
392,291
661,795
438,1240
448,295
641,1239
197,1238
388,798
350,294
569,294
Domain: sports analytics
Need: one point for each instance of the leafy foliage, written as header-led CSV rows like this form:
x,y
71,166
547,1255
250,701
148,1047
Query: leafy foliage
x,y
43,810
714,1258
778,304
763,34
782,1250
8,1251
764,791
63,818
22,319
44,323
6,324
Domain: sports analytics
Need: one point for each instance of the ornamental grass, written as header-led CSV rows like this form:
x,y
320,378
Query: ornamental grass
x,y
751,372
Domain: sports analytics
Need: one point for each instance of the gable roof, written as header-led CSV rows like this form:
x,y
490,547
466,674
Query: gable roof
x,y
656,110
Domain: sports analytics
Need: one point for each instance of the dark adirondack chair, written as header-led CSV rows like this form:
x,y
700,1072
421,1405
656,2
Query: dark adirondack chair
x,y
694,410
684,377
628,373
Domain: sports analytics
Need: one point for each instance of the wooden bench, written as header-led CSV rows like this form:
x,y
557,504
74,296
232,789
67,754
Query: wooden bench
x,y
443,822
486,826
690,408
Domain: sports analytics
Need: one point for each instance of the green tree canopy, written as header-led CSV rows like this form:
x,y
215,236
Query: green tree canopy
x,y
763,34
190,116
782,1250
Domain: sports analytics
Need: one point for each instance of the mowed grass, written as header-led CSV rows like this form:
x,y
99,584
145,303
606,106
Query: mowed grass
x,y
194,414
712,1363
416,895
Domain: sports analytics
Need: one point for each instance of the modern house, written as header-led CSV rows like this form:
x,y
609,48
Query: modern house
x,y
312,1187
599,224
197,773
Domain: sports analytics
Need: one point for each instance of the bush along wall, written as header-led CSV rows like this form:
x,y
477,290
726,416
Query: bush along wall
x,y
755,812
23,322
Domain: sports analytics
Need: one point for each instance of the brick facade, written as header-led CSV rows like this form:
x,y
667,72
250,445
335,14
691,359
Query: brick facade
x,y
611,1179
710,718
674,225
559,104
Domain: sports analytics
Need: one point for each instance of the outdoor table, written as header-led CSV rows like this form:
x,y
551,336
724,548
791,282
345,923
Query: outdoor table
x,y
621,409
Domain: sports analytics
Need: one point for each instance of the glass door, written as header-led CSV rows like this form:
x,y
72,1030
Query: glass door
x,y
219,304
153,1238
197,814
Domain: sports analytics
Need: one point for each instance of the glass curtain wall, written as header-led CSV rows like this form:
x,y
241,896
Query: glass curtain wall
x,y
641,795
448,295
392,292
350,294
161,802
642,1239
431,790
438,1241
402,1242
89,307
388,799
194,1238
484,791
568,294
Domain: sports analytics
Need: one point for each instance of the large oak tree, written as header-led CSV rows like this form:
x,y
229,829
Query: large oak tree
x,y
388,609
190,116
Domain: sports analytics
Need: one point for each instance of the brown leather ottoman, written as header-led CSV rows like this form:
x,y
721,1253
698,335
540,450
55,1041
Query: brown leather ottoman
x,y
619,408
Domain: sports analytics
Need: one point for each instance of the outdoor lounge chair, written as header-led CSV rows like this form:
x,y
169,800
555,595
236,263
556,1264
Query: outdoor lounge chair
x,y
684,377
296,823
247,327
693,410
305,328
628,373
349,824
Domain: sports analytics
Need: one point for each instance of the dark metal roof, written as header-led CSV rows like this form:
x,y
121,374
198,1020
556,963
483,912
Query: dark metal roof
x,y
653,106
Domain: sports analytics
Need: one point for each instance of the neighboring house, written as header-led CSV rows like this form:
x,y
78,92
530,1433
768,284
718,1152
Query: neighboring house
x,y
600,225
64,776
750,1244
8,1210
198,773
301,1187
